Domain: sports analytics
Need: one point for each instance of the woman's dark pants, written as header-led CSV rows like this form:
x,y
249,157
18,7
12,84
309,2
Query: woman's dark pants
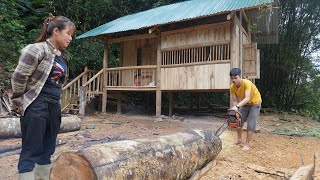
x,y
39,127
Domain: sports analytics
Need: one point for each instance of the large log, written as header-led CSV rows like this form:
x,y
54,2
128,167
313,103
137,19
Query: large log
x,y
10,126
174,156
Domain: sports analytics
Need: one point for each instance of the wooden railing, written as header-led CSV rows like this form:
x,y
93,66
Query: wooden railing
x,y
90,89
213,53
142,76
71,91
133,76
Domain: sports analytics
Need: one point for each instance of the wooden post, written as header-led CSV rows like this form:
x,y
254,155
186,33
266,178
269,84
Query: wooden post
x,y
85,77
1,102
119,102
241,45
234,41
170,103
121,54
158,88
234,45
105,79
82,105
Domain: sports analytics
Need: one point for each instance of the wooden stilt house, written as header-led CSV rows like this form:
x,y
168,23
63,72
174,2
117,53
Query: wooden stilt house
x,y
187,46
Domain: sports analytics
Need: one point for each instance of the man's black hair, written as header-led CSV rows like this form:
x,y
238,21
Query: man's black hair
x,y
235,72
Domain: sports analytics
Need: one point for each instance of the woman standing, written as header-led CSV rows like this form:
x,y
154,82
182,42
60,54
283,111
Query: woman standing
x,y
36,84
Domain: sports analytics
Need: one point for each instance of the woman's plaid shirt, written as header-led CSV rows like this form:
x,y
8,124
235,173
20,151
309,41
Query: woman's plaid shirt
x,y
30,75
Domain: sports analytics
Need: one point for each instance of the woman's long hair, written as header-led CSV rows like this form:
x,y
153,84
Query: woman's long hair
x,y
52,22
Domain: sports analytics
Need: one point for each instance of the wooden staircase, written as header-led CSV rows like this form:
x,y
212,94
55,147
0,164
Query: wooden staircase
x,y
81,90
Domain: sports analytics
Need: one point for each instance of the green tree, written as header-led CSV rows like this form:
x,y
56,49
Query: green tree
x,y
287,72
18,27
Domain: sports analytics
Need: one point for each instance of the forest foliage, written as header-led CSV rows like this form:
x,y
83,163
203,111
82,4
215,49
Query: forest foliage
x,y
290,76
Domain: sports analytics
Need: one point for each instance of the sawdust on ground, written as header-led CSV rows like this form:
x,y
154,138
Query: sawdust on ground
x,y
275,152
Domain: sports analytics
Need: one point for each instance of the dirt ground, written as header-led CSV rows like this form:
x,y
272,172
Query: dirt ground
x,y
275,152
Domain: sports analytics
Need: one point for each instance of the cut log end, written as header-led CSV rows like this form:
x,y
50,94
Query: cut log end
x,y
72,166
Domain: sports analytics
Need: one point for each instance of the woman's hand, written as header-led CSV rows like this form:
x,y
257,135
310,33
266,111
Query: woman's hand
x,y
16,110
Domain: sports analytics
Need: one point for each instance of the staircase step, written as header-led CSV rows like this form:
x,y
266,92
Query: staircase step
x,y
72,109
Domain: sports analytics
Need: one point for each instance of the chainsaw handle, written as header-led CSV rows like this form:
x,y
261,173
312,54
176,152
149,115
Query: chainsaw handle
x,y
236,111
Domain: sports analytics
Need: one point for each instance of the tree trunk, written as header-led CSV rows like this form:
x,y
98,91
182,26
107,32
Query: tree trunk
x,y
175,156
10,127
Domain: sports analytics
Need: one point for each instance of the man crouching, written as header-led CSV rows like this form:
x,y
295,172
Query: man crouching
x,y
246,98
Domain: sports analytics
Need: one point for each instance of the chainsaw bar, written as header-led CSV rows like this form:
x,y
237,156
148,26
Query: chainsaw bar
x,y
221,129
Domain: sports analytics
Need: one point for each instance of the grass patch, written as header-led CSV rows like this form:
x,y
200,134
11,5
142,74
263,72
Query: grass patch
x,y
292,132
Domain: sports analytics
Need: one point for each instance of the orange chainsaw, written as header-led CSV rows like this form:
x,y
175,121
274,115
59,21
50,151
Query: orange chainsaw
x,y
234,121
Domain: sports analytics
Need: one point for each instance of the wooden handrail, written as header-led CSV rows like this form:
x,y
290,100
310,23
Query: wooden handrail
x,y
74,80
95,76
196,64
133,67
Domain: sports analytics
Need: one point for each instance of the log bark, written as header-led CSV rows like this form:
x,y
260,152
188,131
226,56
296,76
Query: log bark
x,y
10,126
175,156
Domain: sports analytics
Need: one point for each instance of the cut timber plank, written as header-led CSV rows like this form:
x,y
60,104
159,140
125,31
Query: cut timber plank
x,y
303,173
265,170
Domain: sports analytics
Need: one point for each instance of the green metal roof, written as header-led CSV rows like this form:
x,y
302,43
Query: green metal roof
x,y
172,13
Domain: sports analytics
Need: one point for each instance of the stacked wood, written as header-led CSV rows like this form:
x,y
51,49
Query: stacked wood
x,y
10,126
303,173
4,103
175,156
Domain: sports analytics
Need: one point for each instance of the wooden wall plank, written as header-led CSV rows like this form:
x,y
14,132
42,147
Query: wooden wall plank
x,y
195,36
129,53
202,77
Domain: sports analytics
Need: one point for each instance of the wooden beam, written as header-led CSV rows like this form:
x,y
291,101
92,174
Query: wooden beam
x,y
131,88
234,47
205,26
170,103
130,38
1,105
153,29
82,99
244,14
133,67
241,45
119,102
105,79
229,16
237,21
196,64
158,80
234,42
196,45
121,54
